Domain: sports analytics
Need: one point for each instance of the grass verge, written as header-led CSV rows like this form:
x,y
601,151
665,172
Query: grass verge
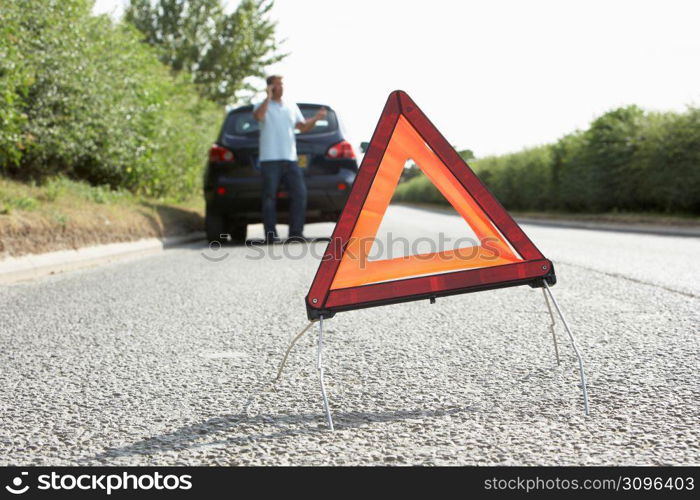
x,y
62,214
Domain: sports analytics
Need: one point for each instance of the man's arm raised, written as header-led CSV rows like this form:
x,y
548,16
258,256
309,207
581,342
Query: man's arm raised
x,y
307,125
259,114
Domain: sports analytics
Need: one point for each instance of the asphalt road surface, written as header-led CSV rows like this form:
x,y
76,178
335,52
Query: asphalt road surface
x,y
167,360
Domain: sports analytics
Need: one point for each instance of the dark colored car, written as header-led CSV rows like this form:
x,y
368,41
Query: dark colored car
x,y
233,183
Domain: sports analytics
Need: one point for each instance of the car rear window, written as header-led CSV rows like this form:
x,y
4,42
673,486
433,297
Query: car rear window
x,y
243,123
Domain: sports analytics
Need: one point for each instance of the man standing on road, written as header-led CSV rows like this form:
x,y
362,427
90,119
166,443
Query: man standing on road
x,y
278,157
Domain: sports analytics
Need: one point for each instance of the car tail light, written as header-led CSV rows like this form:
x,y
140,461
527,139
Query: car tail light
x,y
341,150
218,154
221,190
342,186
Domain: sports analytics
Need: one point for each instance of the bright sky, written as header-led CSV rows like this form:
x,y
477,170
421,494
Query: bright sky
x,y
493,76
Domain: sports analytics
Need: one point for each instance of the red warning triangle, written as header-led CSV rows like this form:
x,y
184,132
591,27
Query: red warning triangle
x,y
347,280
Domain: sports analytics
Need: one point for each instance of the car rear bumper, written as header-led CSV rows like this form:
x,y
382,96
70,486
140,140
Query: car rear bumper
x,y
241,197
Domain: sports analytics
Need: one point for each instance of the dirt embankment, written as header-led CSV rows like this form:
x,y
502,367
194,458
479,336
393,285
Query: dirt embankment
x,y
44,219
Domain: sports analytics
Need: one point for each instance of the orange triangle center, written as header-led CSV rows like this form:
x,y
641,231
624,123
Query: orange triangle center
x,y
355,269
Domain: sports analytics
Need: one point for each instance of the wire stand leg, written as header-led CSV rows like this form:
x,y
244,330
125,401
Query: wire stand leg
x,y
286,354
552,325
319,367
573,343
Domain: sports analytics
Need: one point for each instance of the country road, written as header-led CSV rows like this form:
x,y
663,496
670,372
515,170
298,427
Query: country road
x,y
166,360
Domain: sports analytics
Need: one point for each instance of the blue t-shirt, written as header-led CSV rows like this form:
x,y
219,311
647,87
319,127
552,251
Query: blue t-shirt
x,y
277,140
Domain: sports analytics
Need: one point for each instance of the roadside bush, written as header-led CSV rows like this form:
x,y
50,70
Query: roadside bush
x,y
668,162
520,180
88,100
14,83
627,160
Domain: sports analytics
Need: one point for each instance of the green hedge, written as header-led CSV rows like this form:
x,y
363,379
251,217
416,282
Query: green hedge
x,y
82,96
627,160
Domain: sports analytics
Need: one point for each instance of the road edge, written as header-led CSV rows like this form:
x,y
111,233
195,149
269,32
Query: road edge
x,y
639,227
28,267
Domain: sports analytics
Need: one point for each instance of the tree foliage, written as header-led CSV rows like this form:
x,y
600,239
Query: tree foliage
x,y
219,50
15,80
84,97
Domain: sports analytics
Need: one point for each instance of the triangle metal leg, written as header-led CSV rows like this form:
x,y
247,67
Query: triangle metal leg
x,y
573,343
319,367
289,349
551,326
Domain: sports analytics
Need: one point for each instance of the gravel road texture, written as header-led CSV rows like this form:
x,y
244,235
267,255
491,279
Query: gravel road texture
x,y
167,360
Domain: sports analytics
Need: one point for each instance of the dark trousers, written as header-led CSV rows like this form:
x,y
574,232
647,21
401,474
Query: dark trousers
x,y
272,174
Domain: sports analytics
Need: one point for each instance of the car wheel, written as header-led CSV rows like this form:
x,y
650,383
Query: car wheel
x,y
214,226
238,231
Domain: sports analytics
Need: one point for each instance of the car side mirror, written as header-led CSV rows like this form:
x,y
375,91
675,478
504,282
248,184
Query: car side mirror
x,y
364,146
